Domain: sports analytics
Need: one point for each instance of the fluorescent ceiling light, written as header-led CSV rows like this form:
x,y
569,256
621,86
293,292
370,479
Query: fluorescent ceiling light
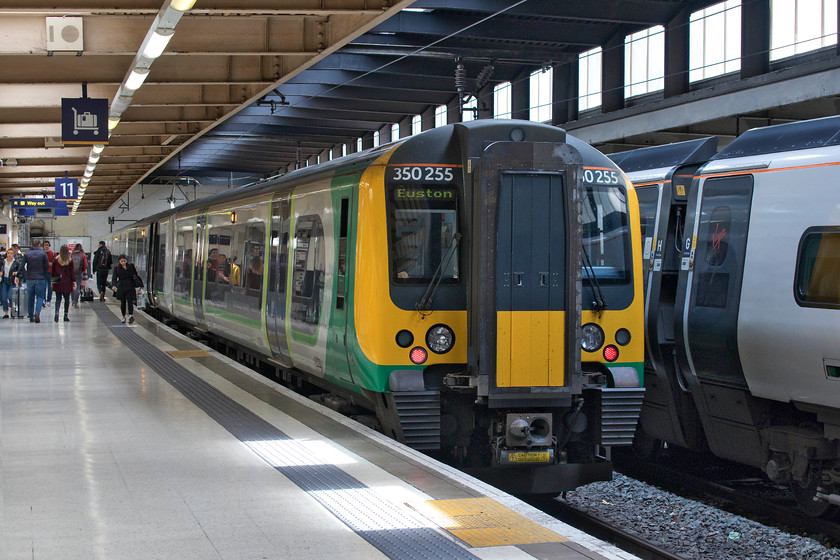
x,y
113,122
181,5
97,148
136,79
157,43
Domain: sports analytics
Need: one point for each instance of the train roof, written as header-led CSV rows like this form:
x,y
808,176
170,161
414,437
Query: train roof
x,y
667,156
816,133
538,132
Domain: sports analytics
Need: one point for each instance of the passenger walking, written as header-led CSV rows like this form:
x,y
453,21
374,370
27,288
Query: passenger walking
x,y
8,271
51,256
102,262
80,267
35,272
124,282
62,269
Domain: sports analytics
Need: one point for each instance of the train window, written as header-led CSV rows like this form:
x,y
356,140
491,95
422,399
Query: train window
x,y
818,268
183,257
423,228
160,265
717,243
648,206
606,234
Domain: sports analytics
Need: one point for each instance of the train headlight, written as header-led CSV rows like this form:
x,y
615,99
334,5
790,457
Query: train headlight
x,y
440,339
592,337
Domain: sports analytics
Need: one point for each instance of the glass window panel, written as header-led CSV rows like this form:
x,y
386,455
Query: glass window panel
x,y
589,80
715,40
540,108
502,101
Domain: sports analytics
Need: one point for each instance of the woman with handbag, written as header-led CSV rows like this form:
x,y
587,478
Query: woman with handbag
x,y
124,282
63,280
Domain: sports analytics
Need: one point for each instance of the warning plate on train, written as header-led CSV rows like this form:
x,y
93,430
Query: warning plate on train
x,y
529,457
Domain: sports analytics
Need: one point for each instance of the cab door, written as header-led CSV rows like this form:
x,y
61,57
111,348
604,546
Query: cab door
x,y
530,269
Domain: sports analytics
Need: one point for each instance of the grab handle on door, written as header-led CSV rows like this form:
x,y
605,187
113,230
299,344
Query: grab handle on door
x,y
543,279
517,279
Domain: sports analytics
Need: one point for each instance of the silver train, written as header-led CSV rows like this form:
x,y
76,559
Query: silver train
x,y
742,302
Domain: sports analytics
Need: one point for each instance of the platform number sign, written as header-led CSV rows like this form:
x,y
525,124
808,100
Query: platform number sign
x,y
66,189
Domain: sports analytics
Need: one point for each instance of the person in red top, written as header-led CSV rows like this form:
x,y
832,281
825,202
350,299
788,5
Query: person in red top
x,y
62,268
51,256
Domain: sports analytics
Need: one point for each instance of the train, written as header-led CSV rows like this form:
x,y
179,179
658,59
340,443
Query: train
x,y
474,287
742,302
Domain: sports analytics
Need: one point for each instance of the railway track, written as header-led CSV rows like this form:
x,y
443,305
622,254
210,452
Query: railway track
x,y
734,488
603,529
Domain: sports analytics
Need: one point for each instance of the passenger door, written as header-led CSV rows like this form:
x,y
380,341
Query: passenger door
x,y
715,265
278,276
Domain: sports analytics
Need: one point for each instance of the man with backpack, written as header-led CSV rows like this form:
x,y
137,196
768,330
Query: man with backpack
x,y
102,263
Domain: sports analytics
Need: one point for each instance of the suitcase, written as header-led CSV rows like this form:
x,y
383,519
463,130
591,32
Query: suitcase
x,y
20,300
87,295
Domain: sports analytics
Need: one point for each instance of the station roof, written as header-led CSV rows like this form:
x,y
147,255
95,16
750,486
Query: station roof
x,y
249,87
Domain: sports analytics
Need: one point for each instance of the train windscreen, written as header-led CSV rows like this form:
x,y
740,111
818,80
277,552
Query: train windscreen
x,y
606,234
423,228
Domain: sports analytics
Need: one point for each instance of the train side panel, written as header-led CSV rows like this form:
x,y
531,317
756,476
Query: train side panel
x,y
787,203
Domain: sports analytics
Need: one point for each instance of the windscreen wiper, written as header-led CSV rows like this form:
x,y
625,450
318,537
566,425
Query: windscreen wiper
x,y
425,302
599,302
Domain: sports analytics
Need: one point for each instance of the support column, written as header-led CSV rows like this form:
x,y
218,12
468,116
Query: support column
x,y
520,96
405,128
755,38
677,55
612,75
453,111
427,119
565,93
486,101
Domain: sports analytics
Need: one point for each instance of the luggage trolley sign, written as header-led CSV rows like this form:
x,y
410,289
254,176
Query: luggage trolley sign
x,y
84,121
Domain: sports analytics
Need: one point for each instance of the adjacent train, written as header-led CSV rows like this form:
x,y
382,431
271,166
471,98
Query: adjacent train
x,y
742,297
477,287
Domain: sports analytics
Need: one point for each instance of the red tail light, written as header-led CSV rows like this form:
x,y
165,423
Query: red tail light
x,y
611,353
418,355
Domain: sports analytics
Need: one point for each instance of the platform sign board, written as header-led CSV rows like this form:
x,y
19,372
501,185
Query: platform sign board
x,y
34,206
84,121
66,189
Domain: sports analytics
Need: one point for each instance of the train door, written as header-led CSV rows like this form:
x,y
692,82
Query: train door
x,y
715,265
278,277
530,268
341,308
198,270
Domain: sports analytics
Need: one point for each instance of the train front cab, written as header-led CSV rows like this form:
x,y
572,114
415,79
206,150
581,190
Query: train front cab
x,y
546,408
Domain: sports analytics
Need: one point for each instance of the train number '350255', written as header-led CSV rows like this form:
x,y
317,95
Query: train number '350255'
x,y
430,174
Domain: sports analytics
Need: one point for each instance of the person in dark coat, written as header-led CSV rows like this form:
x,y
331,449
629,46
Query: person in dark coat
x,y
101,266
124,282
36,266
63,269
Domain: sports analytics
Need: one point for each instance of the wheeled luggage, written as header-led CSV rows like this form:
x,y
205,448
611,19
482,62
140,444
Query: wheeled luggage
x,y
87,295
20,299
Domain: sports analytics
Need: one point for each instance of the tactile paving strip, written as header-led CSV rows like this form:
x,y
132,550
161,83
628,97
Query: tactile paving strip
x,y
177,354
397,532
482,522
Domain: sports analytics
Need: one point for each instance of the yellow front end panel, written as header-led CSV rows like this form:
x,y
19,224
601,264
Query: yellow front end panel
x,y
530,348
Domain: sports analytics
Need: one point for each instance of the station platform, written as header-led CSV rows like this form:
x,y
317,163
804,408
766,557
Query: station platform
x,y
134,442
